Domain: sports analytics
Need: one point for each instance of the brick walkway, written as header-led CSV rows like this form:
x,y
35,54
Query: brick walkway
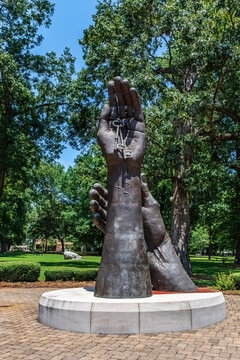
x,y
22,337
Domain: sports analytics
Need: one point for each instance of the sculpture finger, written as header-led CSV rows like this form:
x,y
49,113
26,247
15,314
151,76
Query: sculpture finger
x,y
94,195
104,118
99,222
120,97
127,96
112,99
145,189
101,190
136,128
96,208
147,198
137,107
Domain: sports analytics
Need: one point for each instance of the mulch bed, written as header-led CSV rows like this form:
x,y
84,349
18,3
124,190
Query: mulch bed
x,y
47,284
200,290
75,284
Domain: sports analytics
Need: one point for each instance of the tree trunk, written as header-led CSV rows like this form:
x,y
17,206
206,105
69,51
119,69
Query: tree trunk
x,y
180,218
210,243
45,245
3,245
7,121
180,224
63,247
2,181
237,249
237,255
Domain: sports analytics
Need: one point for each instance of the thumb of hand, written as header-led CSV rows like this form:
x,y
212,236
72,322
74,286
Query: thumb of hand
x,y
145,190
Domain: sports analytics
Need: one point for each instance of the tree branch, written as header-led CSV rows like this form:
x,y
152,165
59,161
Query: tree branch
x,y
230,113
164,72
221,137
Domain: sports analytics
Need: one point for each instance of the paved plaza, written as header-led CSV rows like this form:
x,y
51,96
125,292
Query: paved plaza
x,y
23,337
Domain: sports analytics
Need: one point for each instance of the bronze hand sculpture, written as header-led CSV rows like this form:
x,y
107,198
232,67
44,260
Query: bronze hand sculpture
x,y
128,210
124,270
166,270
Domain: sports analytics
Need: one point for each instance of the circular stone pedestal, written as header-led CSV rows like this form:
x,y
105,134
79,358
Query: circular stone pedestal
x,y
78,310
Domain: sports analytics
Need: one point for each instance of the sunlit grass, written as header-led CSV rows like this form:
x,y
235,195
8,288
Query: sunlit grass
x,y
51,261
204,270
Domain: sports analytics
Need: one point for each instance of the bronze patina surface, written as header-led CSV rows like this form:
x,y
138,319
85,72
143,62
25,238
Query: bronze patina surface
x,y
137,252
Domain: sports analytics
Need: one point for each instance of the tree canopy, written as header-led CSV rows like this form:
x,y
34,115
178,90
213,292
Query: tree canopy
x,y
35,98
183,57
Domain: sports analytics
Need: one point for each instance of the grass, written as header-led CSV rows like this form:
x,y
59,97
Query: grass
x,y
204,270
52,261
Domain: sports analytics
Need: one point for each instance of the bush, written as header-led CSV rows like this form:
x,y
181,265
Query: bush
x,y
236,278
87,253
13,272
66,274
225,282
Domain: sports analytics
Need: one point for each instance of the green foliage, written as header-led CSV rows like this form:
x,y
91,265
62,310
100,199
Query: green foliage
x,y
89,168
49,214
60,201
65,274
36,104
13,272
183,57
225,282
199,240
206,271
13,209
236,278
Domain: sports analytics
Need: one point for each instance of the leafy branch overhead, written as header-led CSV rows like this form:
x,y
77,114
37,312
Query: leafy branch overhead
x,y
183,57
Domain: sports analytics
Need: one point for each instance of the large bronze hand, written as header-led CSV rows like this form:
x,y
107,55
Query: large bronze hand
x,y
154,228
124,271
166,270
121,133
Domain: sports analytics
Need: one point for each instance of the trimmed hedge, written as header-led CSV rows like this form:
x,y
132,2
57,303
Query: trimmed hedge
x,y
87,253
66,274
16,271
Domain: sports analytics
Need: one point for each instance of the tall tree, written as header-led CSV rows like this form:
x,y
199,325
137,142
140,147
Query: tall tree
x,y
183,57
35,92
13,210
89,168
49,205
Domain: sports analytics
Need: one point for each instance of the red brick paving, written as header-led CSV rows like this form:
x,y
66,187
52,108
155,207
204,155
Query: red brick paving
x,y
23,337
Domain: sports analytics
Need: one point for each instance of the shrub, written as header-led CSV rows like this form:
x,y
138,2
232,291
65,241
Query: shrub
x,y
236,278
13,272
225,282
65,274
88,253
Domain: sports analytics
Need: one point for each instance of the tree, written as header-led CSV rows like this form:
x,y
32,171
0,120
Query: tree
x,y
183,57
36,93
199,240
213,209
13,210
89,168
50,208
60,201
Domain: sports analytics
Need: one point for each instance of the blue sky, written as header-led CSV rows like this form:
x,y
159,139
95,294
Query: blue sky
x,y
70,18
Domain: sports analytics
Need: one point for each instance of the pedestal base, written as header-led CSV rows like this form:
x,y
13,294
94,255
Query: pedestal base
x,y
78,310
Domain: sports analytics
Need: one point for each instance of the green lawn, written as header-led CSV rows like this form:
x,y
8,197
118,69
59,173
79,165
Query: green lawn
x,y
204,271
51,261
